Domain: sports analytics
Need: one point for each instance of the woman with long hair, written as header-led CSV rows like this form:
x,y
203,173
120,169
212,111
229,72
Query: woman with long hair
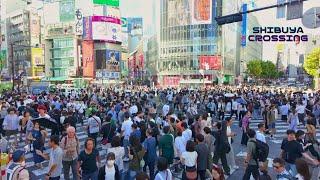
x,y
245,126
293,120
217,172
136,153
302,169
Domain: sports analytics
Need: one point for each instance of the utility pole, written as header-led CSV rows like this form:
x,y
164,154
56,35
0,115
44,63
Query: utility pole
x,y
12,66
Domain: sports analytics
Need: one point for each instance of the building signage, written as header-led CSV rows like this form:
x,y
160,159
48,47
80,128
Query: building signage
x,y
37,62
106,28
34,29
244,26
60,30
210,62
79,22
88,59
87,28
107,2
201,11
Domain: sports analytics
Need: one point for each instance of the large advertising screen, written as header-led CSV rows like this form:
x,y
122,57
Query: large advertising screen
x,y
112,61
210,62
106,28
201,11
87,59
178,12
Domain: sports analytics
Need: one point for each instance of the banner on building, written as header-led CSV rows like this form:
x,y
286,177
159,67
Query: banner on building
x,y
87,28
113,12
37,62
210,62
244,26
34,29
113,61
88,59
177,15
79,22
67,10
104,74
201,11
106,29
107,2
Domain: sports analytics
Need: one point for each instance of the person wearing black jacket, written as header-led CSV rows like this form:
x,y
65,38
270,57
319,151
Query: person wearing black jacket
x,y
109,171
108,129
221,146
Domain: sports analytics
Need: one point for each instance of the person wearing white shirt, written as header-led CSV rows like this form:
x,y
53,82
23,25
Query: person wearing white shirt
x,y
230,156
260,133
133,109
179,144
186,133
301,110
94,125
234,108
165,109
284,109
126,130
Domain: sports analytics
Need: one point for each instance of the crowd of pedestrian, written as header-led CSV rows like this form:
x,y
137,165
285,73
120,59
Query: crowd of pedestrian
x,y
159,132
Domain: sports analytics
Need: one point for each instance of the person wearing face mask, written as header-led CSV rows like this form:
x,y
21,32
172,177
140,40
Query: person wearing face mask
x,y
109,171
17,170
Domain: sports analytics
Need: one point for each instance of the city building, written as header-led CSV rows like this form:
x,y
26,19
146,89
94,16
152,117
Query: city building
x,y
23,35
188,43
152,59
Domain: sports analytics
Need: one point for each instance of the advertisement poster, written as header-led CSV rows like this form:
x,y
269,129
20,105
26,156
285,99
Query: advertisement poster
x,y
201,11
177,15
244,26
112,61
106,29
107,2
37,62
67,10
210,62
87,58
34,29
87,28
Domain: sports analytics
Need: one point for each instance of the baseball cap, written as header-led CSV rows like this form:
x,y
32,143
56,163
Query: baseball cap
x,y
17,155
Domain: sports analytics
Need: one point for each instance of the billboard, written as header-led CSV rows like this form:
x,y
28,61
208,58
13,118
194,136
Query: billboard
x,y
67,10
201,11
106,29
244,26
87,59
210,62
112,61
87,28
107,2
37,62
134,23
177,15
34,29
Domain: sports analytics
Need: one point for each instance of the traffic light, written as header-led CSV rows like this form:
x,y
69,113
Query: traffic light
x,y
229,19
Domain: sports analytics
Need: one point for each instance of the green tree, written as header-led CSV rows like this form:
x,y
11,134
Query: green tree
x,y
254,68
311,62
269,70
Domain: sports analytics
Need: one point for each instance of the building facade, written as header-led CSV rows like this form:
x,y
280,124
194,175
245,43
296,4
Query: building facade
x,y
184,42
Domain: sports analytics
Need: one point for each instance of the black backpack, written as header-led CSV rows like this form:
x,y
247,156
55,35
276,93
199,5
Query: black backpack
x,y
262,151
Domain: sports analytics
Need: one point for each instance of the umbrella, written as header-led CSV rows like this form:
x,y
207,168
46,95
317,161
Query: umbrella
x,y
46,123
229,95
241,100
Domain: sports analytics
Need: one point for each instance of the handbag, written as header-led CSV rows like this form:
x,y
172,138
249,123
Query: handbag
x,y
191,173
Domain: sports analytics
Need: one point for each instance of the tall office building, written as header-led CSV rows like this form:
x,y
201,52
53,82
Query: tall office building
x,y
188,41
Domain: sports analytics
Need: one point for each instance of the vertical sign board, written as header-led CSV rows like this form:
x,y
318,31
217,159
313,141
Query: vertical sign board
x,y
37,62
79,22
244,26
87,28
87,59
67,10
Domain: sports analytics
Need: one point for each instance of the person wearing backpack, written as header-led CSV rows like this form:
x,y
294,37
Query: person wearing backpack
x,y
17,170
71,148
251,162
279,168
94,124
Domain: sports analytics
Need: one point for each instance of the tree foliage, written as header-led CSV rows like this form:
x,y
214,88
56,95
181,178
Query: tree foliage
x,y
262,69
254,68
311,62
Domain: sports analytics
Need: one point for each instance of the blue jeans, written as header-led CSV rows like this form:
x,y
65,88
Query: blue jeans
x,y
131,175
66,169
90,176
126,143
291,168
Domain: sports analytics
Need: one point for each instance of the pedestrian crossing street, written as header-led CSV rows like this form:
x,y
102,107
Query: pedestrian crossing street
x,y
281,129
37,173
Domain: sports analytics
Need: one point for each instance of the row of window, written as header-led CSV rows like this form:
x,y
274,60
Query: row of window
x,y
211,49
68,62
62,53
60,73
60,43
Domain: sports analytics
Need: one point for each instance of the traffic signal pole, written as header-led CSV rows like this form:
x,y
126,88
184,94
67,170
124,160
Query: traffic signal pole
x,y
12,66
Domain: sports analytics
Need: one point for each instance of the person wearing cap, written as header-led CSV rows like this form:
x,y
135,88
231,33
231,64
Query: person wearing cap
x,y
16,170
